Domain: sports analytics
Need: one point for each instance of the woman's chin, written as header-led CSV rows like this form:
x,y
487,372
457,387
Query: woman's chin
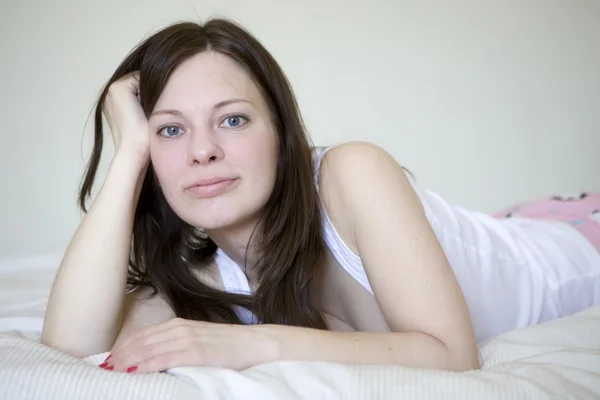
x,y
208,226
221,222
212,224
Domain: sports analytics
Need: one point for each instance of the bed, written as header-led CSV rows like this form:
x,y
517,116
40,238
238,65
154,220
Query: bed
x,y
555,360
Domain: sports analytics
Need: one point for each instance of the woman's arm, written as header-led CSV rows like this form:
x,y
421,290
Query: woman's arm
x,y
181,342
414,285
84,312
85,308
411,349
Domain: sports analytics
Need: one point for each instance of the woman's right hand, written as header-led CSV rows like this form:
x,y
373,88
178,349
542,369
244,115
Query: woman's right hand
x,y
126,119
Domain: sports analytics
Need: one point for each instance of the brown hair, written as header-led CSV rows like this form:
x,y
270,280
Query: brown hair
x,y
289,236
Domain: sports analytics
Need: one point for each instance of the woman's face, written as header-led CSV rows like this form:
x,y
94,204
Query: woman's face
x,y
211,124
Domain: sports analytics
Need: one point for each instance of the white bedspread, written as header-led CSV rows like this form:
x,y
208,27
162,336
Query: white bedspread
x,y
556,360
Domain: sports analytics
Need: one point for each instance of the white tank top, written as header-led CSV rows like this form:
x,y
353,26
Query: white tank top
x,y
513,272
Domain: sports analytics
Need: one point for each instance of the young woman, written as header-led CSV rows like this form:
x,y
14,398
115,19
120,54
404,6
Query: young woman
x,y
221,237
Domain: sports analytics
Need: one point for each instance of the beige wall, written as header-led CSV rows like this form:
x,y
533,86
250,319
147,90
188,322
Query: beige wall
x,y
487,102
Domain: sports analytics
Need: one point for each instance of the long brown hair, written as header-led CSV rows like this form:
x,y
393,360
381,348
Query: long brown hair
x,y
289,236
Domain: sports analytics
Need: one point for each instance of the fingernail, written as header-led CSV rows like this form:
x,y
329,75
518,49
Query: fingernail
x,y
132,369
108,358
103,365
110,368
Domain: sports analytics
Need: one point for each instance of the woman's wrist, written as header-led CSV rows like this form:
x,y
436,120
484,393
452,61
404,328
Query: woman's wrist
x,y
135,160
129,168
270,342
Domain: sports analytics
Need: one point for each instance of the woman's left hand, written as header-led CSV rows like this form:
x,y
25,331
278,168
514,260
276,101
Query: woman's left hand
x,y
182,342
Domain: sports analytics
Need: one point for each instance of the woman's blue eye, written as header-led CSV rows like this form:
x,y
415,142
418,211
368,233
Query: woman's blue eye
x,y
235,121
170,131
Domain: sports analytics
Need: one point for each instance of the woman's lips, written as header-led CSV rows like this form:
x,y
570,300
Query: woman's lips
x,y
211,190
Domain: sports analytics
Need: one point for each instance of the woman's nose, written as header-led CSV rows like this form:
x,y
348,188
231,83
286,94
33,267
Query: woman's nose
x,y
203,148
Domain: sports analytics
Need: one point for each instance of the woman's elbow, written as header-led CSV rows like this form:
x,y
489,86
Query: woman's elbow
x,y
462,360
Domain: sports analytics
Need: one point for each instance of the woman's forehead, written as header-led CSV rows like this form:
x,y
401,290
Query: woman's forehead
x,y
207,79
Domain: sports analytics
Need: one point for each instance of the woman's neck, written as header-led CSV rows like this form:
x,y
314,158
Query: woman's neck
x,y
234,241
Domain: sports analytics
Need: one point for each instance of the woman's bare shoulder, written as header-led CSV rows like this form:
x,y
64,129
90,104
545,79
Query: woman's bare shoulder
x,y
335,175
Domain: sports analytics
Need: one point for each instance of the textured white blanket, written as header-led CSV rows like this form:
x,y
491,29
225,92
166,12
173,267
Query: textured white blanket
x,y
557,360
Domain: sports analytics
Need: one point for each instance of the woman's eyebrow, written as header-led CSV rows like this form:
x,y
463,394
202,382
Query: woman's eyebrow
x,y
215,107
167,112
230,101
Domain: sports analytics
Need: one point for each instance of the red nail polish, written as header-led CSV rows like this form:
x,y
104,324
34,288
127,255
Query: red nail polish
x,y
108,358
110,368
103,365
132,369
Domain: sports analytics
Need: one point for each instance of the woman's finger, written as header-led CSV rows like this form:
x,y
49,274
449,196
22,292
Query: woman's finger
x,y
178,358
135,359
142,334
